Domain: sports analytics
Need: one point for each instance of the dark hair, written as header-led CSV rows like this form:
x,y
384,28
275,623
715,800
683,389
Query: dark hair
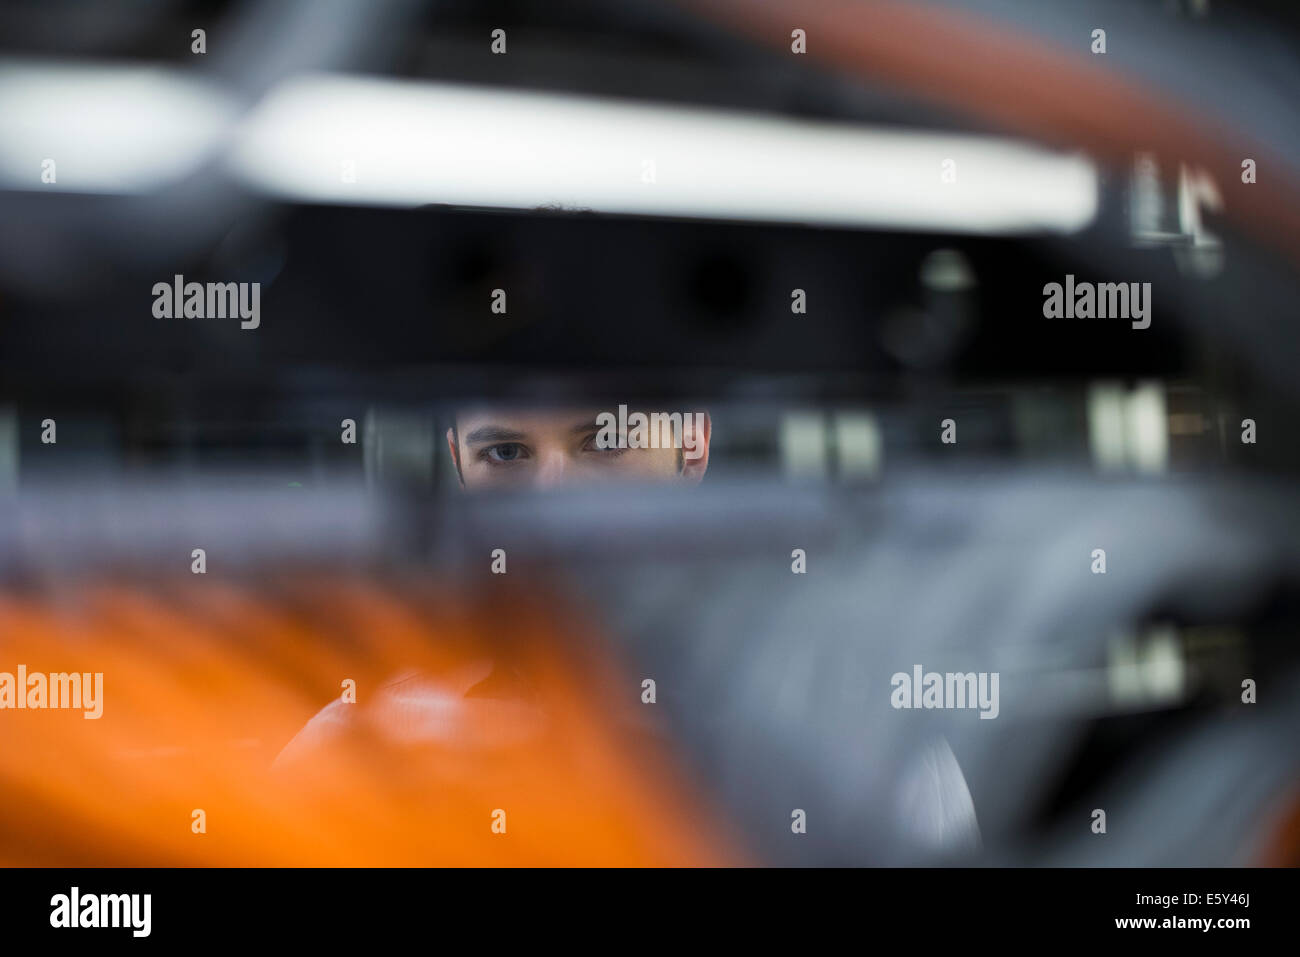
x,y
455,458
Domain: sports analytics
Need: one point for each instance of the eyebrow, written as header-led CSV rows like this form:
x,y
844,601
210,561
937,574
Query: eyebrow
x,y
493,433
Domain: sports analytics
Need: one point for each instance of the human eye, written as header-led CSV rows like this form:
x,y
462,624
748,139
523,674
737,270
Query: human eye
x,y
590,445
504,453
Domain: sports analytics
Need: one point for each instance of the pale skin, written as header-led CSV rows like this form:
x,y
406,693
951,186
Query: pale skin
x,y
497,447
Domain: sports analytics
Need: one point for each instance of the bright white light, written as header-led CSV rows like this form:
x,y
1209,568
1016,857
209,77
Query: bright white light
x,y
859,444
1148,428
353,140
104,129
359,140
1106,426
1129,429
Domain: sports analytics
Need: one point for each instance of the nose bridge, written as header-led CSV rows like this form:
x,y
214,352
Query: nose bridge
x,y
552,467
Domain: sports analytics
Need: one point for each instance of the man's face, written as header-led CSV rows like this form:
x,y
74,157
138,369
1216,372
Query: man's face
x,y
501,447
